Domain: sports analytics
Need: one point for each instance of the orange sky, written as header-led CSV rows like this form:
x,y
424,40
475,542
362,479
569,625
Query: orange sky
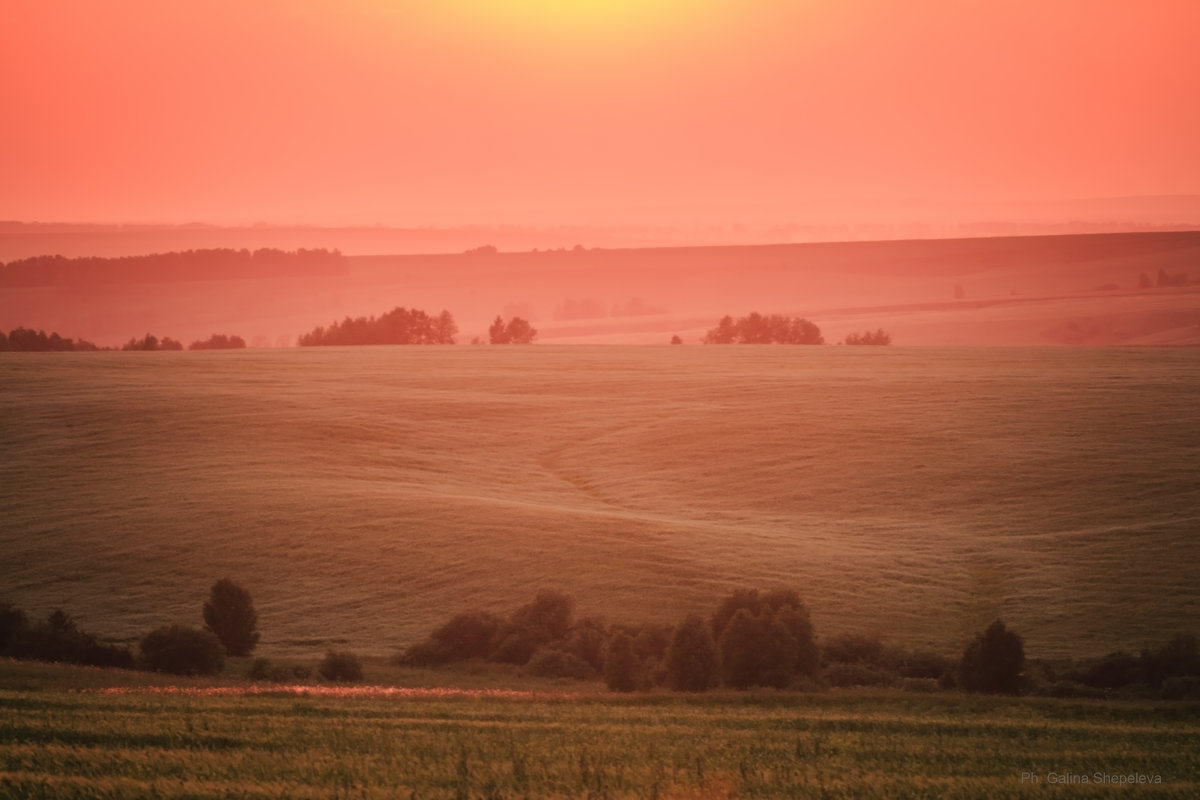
x,y
551,111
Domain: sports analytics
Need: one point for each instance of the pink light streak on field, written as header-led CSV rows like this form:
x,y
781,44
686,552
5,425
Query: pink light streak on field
x,y
351,692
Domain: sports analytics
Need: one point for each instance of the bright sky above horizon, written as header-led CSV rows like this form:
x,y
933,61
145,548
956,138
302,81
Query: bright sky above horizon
x,y
589,112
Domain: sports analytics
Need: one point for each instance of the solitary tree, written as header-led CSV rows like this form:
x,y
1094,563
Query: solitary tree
x,y
230,614
992,663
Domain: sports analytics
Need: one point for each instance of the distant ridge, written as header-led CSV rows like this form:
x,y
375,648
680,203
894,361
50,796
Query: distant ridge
x,y
73,240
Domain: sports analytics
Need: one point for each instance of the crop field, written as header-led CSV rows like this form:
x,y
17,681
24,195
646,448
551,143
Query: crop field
x,y
365,495
158,742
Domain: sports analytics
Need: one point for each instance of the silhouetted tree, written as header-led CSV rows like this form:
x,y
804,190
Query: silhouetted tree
x,y
218,341
742,646
773,641
1177,658
182,650
587,640
550,611
398,326
755,328
56,639
516,331
621,665
12,622
37,341
229,613
693,664
992,663
879,337
341,666
676,340
151,342
190,265
1167,279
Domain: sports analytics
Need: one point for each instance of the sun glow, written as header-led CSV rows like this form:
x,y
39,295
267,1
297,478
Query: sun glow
x,y
582,22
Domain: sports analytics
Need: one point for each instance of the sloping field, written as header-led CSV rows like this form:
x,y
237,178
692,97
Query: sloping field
x,y
363,495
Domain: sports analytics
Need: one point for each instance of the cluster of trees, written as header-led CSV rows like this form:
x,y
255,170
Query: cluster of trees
x,y
57,638
218,341
1164,279
152,342
22,339
751,639
189,265
1170,671
230,629
398,326
516,331
756,328
38,341
879,337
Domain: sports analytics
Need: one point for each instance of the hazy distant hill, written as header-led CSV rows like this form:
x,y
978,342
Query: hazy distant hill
x,y
1084,289
817,223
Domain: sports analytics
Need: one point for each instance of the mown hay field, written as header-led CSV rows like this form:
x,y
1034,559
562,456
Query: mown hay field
x,y
365,495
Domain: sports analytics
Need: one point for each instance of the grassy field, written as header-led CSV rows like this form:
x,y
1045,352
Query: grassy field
x,y
365,495
197,742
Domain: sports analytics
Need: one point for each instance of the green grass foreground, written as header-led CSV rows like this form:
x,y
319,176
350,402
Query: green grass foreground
x,y
198,740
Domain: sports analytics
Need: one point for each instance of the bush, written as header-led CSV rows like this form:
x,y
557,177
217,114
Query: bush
x,y
182,650
1179,657
549,614
12,622
924,685
922,665
1114,671
1180,687
693,664
622,670
856,673
422,654
852,648
57,639
516,645
555,663
263,670
229,613
467,635
992,663
587,640
341,666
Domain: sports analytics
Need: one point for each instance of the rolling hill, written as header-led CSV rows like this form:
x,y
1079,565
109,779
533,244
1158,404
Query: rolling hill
x,y
366,494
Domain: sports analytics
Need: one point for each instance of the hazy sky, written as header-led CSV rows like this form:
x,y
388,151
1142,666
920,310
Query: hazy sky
x,y
593,111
